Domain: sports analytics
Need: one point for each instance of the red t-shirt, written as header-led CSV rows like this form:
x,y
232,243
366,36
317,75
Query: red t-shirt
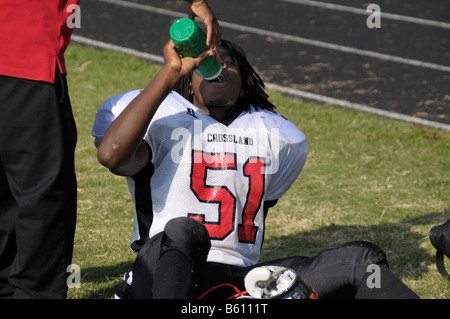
x,y
33,37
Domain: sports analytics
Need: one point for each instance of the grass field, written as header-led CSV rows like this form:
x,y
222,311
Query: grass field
x,y
366,178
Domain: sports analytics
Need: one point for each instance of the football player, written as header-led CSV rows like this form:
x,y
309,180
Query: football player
x,y
205,160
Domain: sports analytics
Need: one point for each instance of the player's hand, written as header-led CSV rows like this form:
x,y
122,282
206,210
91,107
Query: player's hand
x,y
213,29
182,66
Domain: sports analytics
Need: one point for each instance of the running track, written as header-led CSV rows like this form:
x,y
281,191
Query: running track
x,y
317,50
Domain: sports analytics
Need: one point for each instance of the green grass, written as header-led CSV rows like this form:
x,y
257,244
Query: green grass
x,y
366,178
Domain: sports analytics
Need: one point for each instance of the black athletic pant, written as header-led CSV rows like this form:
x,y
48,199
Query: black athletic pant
x,y
37,187
173,265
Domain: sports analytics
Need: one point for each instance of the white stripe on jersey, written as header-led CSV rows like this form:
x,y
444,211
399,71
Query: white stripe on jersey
x,y
218,174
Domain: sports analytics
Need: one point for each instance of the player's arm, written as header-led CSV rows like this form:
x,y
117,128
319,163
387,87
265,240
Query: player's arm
x,y
199,8
122,149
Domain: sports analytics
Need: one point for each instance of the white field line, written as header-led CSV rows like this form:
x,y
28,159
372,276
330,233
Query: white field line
x,y
292,38
359,107
384,15
294,92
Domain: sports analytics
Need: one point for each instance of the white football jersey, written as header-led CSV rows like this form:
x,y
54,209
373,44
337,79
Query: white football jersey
x,y
220,175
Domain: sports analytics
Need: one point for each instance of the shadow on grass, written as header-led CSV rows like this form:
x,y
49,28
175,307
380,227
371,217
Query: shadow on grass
x,y
402,244
101,282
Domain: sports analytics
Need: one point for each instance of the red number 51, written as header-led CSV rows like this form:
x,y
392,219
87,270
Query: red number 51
x,y
226,200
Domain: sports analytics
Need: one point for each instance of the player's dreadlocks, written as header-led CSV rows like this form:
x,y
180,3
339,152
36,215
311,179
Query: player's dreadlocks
x,y
252,83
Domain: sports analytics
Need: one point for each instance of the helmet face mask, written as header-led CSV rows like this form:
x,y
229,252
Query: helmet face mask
x,y
275,282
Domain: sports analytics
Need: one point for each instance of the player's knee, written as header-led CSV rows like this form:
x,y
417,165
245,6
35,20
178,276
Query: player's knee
x,y
365,253
187,235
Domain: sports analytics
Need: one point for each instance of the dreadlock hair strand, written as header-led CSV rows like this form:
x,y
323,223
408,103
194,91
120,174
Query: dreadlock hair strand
x,y
252,83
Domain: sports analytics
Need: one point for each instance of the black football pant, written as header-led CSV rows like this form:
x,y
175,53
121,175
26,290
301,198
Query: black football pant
x,y
37,187
173,265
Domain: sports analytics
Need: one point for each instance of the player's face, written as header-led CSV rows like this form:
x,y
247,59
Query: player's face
x,y
222,92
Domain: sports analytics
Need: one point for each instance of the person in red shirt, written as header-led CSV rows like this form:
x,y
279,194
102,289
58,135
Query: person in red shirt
x,y
38,135
37,143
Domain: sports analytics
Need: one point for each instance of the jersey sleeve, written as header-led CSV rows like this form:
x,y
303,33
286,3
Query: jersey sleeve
x,y
293,149
109,111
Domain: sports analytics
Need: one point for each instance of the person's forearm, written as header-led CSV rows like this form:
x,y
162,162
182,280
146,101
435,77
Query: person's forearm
x,y
121,149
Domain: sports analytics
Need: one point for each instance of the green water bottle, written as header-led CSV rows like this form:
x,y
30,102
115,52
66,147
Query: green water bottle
x,y
190,41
